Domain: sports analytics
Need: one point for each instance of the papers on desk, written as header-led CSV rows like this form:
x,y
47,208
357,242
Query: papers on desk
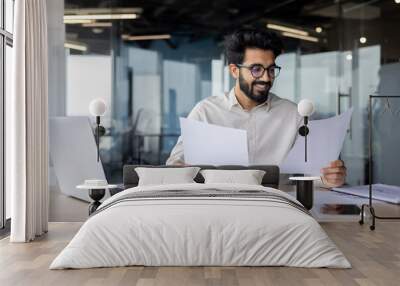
x,y
324,143
382,192
209,144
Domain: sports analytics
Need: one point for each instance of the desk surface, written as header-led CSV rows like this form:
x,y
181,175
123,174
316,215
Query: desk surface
x,y
324,196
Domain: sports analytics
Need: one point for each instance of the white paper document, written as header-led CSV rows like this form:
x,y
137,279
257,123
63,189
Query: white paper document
x,y
209,144
324,143
380,192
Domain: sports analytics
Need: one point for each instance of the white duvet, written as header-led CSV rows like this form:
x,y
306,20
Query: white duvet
x,y
193,231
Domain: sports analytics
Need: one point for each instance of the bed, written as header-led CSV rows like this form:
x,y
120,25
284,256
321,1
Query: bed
x,y
198,224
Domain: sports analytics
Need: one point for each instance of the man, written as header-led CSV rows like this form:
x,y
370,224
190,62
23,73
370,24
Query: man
x,y
271,122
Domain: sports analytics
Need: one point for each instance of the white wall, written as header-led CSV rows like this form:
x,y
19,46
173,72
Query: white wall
x,y
57,57
88,77
56,67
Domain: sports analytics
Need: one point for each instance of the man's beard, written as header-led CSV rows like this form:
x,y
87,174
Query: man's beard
x,y
248,90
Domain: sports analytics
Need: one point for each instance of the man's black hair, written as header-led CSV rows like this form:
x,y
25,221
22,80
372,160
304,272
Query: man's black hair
x,y
236,43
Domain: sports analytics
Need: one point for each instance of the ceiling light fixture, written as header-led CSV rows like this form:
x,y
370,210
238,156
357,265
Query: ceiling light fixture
x,y
100,17
318,29
301,37
397,1
287,29
97,10
363,40
97,30
77,21
97,24
146,37
76,46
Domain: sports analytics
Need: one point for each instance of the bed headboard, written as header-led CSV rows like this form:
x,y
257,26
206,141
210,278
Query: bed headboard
x,y
270,179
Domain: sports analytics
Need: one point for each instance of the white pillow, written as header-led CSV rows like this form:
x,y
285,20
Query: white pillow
x,y
165,176
248,177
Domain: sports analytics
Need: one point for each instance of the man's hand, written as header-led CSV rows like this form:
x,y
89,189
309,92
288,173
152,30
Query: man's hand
x,y
334,175
180,164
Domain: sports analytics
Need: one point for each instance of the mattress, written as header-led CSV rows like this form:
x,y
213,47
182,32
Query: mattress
x,y
201,225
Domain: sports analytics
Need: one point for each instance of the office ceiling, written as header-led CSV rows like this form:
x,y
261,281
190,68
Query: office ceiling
x,y
197,19
202,18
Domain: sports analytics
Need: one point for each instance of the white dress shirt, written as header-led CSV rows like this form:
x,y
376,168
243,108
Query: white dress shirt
x,y
271,127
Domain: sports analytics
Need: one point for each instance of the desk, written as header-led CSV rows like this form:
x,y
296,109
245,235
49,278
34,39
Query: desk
x,y
323,197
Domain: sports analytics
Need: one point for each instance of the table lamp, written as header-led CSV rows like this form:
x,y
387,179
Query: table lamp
x,y
305,109
97,108
305,185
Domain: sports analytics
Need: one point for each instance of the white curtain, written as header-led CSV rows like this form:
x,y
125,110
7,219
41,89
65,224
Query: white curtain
x,y
27,132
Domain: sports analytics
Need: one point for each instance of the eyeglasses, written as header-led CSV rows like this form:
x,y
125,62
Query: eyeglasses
x,y
258,70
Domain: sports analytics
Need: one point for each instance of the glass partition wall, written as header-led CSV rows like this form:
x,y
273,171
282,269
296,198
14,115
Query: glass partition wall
x,y
153,68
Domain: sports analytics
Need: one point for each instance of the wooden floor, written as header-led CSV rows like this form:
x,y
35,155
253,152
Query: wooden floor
x,y
375,257
66,209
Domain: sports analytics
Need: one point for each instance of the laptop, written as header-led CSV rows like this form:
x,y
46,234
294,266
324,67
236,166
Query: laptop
x,y
73,154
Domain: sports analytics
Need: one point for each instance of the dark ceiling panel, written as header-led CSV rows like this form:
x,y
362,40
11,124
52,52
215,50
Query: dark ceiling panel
x,y
192,20
198,18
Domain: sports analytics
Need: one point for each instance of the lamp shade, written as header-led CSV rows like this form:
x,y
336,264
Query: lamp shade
x,y
305,107
97,107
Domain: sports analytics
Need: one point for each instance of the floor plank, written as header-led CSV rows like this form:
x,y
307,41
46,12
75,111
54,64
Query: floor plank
x,y
375,256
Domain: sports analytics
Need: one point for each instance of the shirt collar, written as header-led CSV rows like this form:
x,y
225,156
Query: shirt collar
x,y
232,101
